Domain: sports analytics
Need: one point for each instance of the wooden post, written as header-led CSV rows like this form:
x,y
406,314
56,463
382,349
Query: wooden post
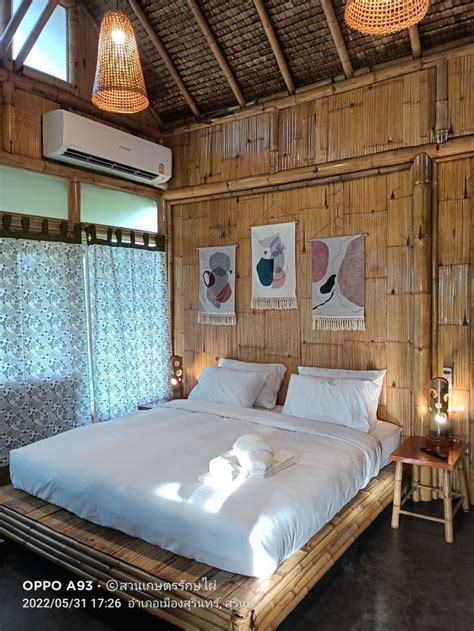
x,y
73,39
442,120
464,482
448,507
421,298
74,201
397,495
8,122
415,482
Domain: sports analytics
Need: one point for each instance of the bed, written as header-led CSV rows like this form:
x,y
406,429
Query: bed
x,y
124,475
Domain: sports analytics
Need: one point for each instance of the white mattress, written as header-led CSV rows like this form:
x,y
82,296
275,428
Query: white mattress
x,y
139,474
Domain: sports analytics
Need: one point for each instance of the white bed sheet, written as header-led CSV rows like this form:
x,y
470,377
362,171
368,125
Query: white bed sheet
x,y
139,474
387,434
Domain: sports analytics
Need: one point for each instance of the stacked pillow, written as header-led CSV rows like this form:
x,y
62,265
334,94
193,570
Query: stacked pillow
x,y
244,384
342,397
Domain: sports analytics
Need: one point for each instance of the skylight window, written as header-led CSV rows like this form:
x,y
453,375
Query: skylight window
x,y
50,52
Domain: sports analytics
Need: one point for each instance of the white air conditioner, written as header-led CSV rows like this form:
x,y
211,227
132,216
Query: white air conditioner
x,y
75,139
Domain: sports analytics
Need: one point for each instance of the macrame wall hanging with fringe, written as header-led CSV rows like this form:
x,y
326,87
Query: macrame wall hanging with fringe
x,y
338,300
274,266
217,285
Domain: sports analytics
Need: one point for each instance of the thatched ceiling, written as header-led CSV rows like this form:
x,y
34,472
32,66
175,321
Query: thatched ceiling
x,y
302,33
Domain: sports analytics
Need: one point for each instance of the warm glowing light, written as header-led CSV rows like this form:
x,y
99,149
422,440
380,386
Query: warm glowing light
x,y
118,36
174,381
119,85
441,418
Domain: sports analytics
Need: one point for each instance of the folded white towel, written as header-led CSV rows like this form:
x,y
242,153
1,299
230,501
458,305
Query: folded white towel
x,y
281,460
225,466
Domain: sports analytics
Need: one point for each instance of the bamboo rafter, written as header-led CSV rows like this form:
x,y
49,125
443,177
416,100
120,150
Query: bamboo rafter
x,y
35,33
12,27
274,43
216,51
155,40
415,42
336,34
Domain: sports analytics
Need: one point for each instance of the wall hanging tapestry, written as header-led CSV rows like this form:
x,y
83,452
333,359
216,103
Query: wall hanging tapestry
x,y
217,285
273,267
338,283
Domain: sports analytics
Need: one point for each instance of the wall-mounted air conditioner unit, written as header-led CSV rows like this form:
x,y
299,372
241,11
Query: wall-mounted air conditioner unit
x,y
78,140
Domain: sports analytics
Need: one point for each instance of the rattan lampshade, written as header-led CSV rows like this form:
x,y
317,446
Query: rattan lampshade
x,y
382,17
119,85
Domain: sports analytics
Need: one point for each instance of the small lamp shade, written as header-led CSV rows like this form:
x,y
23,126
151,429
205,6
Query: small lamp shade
x,y
382,17
176,376
441,431
119,85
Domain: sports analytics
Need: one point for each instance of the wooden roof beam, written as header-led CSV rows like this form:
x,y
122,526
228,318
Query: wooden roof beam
x,y
155,40
274,43
415,42
12,26
35,33
336,34
216,51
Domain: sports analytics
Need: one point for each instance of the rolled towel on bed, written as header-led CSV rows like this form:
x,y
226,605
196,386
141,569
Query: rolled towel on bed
x,y
281,460
225,467
254,454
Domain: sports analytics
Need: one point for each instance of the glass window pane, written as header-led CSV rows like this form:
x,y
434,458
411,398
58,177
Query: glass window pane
x,y
49,54
31,193
114,208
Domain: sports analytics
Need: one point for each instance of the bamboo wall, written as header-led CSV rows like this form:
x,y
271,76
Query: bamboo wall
x,y
418,214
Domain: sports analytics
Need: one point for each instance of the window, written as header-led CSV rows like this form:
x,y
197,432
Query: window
x,y
113,208
50,52
31,193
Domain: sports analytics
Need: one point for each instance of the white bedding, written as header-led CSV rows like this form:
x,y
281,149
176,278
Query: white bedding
x,y
139,474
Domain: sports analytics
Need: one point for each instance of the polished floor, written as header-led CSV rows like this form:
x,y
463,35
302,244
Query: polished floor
x,y
405,580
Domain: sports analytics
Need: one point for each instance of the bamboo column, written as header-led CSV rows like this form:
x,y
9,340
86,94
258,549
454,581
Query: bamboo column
x,y
442,121
421,277
8,119
74,201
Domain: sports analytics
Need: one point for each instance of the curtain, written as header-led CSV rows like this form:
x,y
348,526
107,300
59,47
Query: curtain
x,y
44,378
130,331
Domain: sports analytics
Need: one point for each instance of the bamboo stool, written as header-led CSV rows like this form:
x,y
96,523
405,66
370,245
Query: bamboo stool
x,y
409,453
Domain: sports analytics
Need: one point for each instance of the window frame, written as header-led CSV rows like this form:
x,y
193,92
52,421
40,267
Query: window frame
x,y
40,75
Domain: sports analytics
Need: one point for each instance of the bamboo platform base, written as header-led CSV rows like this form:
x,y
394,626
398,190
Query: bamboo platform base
x,y
159,581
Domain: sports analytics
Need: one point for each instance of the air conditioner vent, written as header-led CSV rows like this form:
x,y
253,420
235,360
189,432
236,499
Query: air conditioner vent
x,y
102,162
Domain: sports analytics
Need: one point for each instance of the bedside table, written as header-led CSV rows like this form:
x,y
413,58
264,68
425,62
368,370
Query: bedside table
x,y
410,452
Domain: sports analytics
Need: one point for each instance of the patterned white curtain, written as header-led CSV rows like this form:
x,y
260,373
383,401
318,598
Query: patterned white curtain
x,y
130,328
44,378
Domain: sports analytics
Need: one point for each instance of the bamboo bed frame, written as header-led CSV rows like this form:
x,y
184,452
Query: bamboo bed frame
x,y
238,603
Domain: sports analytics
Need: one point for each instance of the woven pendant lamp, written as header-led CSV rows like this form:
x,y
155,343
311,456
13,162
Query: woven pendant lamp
x,y
382,17
119,85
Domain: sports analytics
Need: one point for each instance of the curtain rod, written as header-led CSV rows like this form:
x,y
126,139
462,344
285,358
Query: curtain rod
x,y
114,238
25,232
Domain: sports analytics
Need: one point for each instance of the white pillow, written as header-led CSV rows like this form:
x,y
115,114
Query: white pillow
x,y
374,376
221,385
274,376
339,401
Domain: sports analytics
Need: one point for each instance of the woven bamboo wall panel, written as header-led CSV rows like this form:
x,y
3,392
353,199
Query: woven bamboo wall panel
x,y
287,336
461,95
455,259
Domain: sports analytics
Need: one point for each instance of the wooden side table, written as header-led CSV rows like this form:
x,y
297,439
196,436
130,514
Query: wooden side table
x,y
409,453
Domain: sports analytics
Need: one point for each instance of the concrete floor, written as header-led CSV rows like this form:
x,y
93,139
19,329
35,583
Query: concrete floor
x,y
405,580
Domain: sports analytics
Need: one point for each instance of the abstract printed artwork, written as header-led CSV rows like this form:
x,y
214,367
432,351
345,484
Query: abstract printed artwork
x,y
217,285
273,267
338,283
